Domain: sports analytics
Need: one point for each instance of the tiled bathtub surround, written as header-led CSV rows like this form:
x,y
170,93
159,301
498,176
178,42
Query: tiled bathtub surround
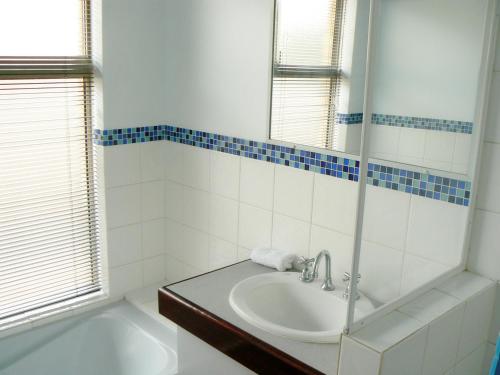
x,y
425,185
453,126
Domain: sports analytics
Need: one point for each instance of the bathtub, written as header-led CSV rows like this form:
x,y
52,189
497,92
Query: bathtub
x,y
117,340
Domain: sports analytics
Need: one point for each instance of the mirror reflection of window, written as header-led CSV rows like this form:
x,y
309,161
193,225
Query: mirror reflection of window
x,y
306,71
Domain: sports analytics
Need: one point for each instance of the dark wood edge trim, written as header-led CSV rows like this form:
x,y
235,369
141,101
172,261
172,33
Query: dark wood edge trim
x,y
236,343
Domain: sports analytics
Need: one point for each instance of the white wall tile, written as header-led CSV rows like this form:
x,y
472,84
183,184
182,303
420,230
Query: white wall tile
x,y
388,331
484,245
461,153
411,143
173,161
495,325
340,247
477,321
153,200
293,192
488,197
174,201
291,235
439,146
124,245
406,357
221,253
473,363
152,158
440,165
196,208
173,238
225,174
386,217
380,268
418,271
122,165
123,205
194,248
196,168
357,359
410,160
257,183
243,253
153,270
177,271
224,218
153,242
465,285
430,306
255,227
125,279
334,204
436,230
384,140
442,342
493,120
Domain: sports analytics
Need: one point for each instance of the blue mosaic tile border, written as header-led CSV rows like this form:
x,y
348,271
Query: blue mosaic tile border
x,y
349,118
425,185
423,123
330,165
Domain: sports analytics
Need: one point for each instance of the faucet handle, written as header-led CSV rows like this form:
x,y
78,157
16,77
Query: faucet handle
x,y
347,277
304,263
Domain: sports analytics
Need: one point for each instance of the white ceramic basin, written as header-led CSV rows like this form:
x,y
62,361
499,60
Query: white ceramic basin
x,y
281,304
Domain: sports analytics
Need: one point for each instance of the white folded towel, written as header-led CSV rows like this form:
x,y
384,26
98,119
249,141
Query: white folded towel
x,y
274,258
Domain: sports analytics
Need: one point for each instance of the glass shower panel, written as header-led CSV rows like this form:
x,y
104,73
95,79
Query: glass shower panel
x,y
425,74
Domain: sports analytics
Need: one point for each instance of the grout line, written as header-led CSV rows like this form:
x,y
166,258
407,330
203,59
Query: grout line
x,y
311,217
274,204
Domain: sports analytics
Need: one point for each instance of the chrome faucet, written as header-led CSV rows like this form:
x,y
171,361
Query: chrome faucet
x,y
309,275
347,279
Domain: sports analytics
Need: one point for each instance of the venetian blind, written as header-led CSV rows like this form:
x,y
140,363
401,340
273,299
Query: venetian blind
x,y
306,71
49,250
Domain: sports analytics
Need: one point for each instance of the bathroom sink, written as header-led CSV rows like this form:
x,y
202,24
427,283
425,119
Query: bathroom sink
x,y
281,304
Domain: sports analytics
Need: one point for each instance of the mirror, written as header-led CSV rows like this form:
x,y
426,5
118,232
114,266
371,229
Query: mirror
x,y
425,82
318,73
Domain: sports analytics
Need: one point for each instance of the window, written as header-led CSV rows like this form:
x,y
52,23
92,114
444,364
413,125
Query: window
x,y
49,251
306,71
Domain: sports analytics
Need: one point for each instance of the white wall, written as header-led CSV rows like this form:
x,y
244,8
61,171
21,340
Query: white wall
x,y
175,210
149,240
219,65
131,91
134,77
428,55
